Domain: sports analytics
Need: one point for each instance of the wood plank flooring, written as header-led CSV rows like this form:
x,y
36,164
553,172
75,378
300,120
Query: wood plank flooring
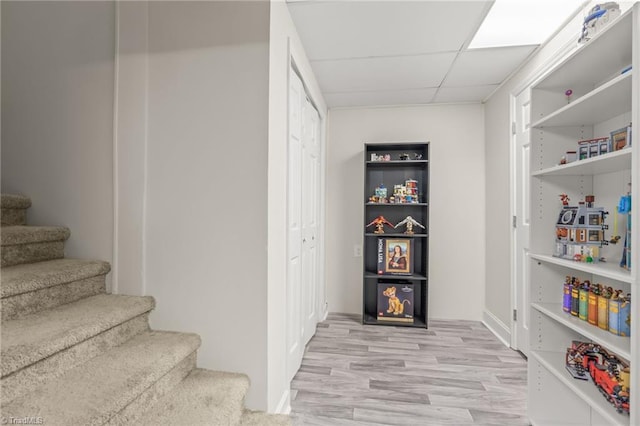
x,y
454,373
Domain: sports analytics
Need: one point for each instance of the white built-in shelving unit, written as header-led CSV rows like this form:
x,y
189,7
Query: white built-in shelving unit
x,y
604,99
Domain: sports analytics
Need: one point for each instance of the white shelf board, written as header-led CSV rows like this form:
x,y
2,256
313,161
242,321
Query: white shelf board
x,y
607,101
586,390
603,269
606,163
593,61
618,344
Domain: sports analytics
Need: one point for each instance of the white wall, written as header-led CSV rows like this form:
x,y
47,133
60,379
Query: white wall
x,y
57,117
497,155
284,44
457,201
206,204
130,145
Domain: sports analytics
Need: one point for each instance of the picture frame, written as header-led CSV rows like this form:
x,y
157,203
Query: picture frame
x,y
621,138
395,256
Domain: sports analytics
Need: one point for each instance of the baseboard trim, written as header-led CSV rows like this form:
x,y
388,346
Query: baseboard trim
x,y
497,327
284,406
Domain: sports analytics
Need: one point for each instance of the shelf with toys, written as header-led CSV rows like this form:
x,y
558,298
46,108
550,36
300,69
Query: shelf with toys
x,y
395,237
606,163
606,101
583,192
621,345
554,364
604,269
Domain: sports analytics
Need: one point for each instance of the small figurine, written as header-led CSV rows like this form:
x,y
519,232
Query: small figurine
x,y
417,156
565,199
404,157
568,94
410,222
379,222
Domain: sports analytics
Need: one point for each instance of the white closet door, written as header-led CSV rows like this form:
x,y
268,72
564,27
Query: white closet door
x,y
310,213
294,229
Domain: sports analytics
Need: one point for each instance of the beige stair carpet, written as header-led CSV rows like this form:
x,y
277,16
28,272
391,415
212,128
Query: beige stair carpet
x,y
71,354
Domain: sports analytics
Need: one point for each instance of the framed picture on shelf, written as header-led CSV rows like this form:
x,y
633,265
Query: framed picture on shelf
x,y
621,138
395,256
395,302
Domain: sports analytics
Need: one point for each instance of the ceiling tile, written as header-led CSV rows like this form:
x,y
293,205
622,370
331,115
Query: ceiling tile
x,y
390,73
464,94
486,66
348,29
390,97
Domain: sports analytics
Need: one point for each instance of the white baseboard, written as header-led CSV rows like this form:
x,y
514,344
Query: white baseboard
x,y
497,327
284,406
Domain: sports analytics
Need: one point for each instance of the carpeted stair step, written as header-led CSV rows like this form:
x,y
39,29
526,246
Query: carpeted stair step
x,y
259,418
108,388
27,244
33,287
14,209
41,346
204,397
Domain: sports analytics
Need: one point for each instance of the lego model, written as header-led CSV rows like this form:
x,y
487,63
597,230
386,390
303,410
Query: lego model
x,y
609,373
599,17
379,223
580,230
410,222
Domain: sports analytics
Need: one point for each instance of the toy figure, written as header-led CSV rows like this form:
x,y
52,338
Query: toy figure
x,y
379,222
565,199
410,222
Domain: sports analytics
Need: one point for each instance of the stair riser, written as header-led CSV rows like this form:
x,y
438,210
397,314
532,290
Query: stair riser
x,y
32,252
152,394
12,217
35,301
33,376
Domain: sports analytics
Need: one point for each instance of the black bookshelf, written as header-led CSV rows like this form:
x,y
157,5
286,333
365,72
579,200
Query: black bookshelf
x,y
406,161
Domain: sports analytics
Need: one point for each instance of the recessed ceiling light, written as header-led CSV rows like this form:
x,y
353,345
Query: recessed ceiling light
x,y
523,22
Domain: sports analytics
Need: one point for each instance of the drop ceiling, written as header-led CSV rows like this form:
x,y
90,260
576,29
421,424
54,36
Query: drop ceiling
x,y
367,53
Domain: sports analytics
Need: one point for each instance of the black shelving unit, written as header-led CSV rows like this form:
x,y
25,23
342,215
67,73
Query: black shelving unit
x,y
396,171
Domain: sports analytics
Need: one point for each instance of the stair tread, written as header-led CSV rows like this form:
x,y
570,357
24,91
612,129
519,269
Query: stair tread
x,y
19,279
34,337
93,392
260,418
21,234
204,397
14,201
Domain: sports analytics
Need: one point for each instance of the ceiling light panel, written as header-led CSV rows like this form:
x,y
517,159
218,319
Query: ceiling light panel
x,y
523,22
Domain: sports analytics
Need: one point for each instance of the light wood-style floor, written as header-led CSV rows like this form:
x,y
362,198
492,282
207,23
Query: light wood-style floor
x,y
454,373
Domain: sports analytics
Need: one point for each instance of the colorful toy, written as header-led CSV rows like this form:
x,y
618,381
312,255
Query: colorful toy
x,y
580,230
609,373
568,94
379,223
624,207
599,16
410,222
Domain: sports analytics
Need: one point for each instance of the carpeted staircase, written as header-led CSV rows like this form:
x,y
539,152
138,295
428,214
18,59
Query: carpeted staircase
x,y
71,354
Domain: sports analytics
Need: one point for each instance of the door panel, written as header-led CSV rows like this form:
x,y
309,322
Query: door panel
x,y
294,229
522,198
